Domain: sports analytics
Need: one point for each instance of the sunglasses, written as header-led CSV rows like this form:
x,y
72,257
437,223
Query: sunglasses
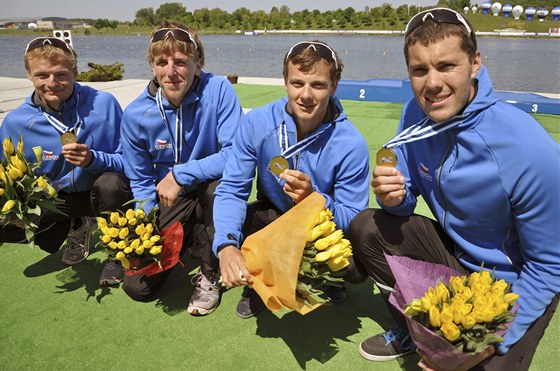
x,y
177,33
322,49
439,15
44,41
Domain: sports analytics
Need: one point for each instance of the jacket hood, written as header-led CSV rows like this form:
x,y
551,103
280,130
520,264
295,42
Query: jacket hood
x,y
485,96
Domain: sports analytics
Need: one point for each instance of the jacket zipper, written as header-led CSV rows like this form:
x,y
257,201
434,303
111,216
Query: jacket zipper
x,y
444,215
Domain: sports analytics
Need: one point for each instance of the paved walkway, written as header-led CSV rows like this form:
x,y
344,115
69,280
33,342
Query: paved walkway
x,y
14,91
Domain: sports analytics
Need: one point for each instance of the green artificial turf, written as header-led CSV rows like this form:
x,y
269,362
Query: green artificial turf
x,y
55,317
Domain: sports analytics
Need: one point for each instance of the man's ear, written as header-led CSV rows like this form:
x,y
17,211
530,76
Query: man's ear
x,y
476,64
334,87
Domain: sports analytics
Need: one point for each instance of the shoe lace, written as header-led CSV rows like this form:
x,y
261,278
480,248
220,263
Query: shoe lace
x,y
396,334
76,237
200,280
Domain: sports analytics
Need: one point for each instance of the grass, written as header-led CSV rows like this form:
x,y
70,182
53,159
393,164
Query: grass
x,y
58,318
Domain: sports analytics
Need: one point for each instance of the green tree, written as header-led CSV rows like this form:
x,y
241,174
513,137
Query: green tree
x,y
145,17
201,18
171,12
100,24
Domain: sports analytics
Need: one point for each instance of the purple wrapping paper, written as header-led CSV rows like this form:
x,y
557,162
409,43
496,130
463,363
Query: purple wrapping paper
x,y
413,279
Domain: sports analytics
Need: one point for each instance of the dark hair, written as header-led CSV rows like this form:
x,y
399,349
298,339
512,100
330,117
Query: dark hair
x,y
305,55
432,31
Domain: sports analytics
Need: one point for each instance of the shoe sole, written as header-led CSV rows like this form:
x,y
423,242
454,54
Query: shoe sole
x,y
74,262
199,312
373,357
246,316
109,281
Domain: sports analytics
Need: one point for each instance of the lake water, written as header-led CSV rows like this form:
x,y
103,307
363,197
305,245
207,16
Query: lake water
x,y
514,63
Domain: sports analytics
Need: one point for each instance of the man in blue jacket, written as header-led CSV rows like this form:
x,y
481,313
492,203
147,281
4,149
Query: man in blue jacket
x,y
297,145
176,138
86,168
489,173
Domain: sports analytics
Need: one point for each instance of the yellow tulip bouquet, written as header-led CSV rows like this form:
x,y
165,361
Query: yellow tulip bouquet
x,y
133,238
450,316
324,261
24,189
295,257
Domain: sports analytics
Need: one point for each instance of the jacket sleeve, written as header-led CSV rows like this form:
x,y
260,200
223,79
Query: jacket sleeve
x,y
535,201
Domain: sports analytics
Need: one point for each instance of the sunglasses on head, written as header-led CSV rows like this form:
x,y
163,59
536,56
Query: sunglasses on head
x,y
439,15
322,49
177,33
44,41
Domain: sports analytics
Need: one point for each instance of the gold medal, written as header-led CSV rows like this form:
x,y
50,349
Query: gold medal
x,y
386,157
67,138
278,164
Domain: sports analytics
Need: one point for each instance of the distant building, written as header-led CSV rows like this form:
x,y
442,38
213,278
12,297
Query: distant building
x,y
53,23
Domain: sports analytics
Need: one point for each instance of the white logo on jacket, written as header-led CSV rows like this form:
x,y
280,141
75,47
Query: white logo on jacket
x,y
49,156
162,144
424,172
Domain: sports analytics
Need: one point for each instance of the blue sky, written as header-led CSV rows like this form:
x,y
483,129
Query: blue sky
x,y
124,10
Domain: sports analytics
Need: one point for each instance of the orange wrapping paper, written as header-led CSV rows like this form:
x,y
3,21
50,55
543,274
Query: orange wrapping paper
x,y
273,255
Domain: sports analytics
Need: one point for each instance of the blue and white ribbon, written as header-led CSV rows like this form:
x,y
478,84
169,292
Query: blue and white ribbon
x,y
178,137
59,125
426,128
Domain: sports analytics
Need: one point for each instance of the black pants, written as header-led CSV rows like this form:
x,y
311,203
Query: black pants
x,y
109,192
374,232
194,208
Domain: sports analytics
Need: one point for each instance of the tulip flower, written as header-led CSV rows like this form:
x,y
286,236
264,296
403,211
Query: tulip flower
x,y
9,205
130,214
434,315
8,146
450,331
114,218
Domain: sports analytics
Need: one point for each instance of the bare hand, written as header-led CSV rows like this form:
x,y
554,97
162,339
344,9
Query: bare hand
x,y
168,190
388,185
298,185
232,267
77,154
426,363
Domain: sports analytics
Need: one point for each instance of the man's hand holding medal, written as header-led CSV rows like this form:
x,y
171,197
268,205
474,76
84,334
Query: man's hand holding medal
x,y
387,182
77,154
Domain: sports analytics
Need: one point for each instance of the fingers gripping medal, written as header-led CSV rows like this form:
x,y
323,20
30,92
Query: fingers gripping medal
x,y
386,157
278,164
67,138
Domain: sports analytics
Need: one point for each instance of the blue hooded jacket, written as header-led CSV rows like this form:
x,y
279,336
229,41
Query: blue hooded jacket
x,y
493,184
211,114
101,116
337,163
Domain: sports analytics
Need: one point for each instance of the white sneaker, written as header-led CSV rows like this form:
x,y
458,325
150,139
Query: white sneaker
x,y
206,296
78,241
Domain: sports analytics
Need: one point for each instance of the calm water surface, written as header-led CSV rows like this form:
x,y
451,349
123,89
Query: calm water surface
x,y
514,63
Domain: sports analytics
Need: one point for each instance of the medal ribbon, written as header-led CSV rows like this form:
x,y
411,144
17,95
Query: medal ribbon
x,y
178,138
425,129
60,127
299,146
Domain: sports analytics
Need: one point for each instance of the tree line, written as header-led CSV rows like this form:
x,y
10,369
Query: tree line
x,y
280,18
